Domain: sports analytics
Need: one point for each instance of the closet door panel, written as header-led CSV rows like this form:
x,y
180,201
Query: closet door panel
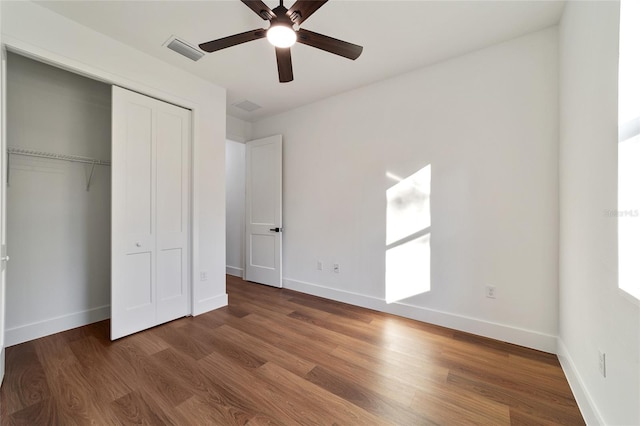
x,y
138,163
172,213
170,282
138,306
133,292
150,212
139,283
170,173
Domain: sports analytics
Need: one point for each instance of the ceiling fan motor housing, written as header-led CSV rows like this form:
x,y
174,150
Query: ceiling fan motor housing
x,y
282,18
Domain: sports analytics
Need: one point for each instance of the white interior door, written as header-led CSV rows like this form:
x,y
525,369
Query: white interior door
x,y
150,217
263,211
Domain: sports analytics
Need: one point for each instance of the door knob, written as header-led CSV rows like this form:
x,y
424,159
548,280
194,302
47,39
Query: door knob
x,y
275,229
4,258
138,244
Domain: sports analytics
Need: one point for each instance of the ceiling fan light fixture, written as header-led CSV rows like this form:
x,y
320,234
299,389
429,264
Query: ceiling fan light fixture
x,y
281,36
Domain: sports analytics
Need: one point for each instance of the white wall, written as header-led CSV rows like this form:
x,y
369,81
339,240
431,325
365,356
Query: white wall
x,y
59,232
238,130
594,314
487,122
38,32
235,180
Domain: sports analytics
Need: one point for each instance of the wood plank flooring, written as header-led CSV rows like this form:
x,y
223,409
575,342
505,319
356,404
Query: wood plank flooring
x,y
279,357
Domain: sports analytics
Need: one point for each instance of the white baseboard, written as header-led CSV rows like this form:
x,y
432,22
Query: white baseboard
x,y
236,272
588,409
519,336
209,304
24,333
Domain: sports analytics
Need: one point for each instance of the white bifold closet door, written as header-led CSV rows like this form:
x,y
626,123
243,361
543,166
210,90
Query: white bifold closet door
x,y
150,212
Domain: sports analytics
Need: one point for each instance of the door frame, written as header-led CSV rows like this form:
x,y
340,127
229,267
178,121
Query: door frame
x,y
68,64
3,199
242,267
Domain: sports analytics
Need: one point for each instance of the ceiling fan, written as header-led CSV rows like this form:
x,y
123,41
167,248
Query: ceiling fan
x,y
282,35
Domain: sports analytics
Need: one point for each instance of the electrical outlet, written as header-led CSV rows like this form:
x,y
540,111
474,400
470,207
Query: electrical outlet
x,y
490,292
602,363
203,276
336,268
319,265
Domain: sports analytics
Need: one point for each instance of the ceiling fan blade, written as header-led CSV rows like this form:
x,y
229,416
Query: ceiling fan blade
x,y
222,43
329,44
302,9
261,9
285,68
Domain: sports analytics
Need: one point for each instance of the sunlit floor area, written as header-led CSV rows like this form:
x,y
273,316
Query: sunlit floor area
x,y
280,357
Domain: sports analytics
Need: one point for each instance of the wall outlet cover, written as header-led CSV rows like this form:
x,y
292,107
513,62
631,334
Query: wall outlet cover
x,y
490,292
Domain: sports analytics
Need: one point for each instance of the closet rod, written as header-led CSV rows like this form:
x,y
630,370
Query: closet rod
x,y
65,157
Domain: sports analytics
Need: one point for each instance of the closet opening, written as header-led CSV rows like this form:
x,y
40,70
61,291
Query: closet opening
x,y
58,199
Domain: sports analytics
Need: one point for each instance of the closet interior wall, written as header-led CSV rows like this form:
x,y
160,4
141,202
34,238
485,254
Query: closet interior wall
x,y
58,229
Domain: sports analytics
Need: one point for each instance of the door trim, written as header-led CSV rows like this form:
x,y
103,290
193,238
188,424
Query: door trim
x,y
3,204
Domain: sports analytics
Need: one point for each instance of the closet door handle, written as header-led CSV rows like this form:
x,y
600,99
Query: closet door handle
x,y
138,244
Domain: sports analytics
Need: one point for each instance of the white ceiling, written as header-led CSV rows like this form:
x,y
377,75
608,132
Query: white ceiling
x,y
398,36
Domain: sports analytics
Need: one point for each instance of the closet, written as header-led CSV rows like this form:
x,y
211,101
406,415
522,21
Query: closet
x,y
61,234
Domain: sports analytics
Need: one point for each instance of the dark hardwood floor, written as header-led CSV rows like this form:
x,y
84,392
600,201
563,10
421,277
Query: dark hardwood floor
x,y
279,357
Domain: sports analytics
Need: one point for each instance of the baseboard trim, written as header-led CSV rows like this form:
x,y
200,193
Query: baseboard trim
x,y
209,304
236,272
24,333
588,409
519,336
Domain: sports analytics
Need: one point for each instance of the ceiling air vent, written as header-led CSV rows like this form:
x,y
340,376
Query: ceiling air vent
x,y
247,106
183,48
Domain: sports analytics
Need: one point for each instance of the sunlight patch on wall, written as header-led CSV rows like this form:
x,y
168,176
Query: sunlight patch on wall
x,y
408,256
628,212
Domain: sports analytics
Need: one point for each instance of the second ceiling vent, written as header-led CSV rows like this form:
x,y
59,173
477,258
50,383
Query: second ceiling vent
x,y
247,105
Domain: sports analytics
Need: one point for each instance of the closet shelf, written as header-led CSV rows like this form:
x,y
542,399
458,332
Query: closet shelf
x,y
65,157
